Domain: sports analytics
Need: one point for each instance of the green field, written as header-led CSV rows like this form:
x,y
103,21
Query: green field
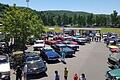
x,y
114,30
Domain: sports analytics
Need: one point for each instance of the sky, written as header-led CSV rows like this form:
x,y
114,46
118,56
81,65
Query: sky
x,y
92,6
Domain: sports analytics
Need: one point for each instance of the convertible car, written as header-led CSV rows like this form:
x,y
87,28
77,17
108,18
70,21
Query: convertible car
x,y
113,74
49,54
68,51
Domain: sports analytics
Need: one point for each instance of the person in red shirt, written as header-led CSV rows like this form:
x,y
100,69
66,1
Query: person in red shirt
x,y
75,77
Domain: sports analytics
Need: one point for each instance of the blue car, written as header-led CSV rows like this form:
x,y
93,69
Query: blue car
x,y
49,54
68,51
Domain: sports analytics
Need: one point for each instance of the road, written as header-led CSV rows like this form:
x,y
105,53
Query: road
x,y
91,59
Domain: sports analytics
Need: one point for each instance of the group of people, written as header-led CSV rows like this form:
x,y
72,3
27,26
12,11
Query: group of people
x,y
75,77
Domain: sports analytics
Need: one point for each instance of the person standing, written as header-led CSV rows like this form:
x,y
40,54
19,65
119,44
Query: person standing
x,y
63,56
65,74
57,77
75,77
19,73
82,77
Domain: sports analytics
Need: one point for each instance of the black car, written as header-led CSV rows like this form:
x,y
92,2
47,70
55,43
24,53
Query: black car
x,y
35,67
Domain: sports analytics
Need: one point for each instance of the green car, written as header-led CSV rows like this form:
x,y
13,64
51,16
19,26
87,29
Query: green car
x,y
115,73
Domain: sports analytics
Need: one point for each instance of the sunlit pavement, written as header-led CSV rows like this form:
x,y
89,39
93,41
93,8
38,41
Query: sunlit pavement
x,y
91,59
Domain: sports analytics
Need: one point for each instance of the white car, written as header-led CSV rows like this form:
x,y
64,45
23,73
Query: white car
x,y
4,67
39,44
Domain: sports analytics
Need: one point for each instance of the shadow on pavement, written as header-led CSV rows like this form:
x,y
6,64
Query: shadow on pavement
x,y
53,61
70,56
37,76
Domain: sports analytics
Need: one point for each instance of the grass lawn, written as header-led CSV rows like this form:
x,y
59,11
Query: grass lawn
x,y
114,30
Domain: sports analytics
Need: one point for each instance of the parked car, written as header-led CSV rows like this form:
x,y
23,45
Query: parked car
x,y
38,44
4,67
81,40
73,46
35,67
113,59
70,42
68,51
49,54
113,74
50,42
31,56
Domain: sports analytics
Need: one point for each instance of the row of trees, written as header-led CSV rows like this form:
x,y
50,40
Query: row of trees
x,y
50,18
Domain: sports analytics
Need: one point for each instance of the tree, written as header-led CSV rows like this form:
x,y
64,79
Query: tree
x,y
81,20
21,23
90,19
114,18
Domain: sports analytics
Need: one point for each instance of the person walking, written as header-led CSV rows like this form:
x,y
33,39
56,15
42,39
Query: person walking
x,y
19,73
82,77
57,77
63,56
65,74
75,77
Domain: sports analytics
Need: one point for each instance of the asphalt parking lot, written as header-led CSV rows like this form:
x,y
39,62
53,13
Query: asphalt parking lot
x,y
91,59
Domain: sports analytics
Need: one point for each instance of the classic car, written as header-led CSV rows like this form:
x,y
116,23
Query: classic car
x,y
35,67
81,40
113,74
73,46
50,42
38,44
49,54
4,67
113,59
70,42
68,51
31,56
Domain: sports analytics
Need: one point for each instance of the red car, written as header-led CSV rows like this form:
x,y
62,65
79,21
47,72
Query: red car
x,y
50,42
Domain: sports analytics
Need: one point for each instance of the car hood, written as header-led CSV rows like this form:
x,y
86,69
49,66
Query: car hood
x,y
115,72
52,54
5,67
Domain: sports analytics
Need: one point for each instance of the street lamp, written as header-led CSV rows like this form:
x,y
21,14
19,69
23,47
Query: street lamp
x,y
27,3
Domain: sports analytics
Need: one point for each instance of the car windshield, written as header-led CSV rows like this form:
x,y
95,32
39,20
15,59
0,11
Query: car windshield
x,y
3,61
37,64
33,58
48,49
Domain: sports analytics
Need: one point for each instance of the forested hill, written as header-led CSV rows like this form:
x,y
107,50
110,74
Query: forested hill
x,y
78,18
61,12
